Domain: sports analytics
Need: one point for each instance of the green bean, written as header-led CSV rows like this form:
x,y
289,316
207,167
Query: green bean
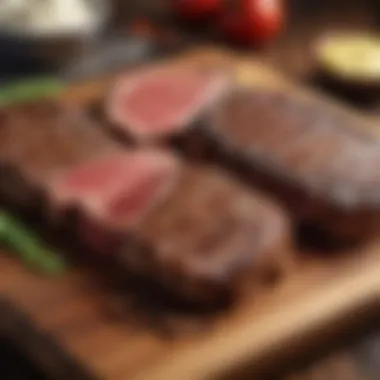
x,y
28,247
30,89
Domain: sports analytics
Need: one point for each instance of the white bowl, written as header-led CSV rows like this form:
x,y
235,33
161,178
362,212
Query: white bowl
x,y
55,47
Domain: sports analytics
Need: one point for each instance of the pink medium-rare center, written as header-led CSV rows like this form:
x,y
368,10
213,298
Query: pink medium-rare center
x,y
161,101
116,189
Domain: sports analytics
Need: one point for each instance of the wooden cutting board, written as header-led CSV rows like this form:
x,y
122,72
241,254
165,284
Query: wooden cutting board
x,y
317,301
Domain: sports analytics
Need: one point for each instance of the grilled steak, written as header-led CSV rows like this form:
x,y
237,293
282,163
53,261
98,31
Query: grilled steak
x,y
207,238
39,140
314,159
162,101
192,230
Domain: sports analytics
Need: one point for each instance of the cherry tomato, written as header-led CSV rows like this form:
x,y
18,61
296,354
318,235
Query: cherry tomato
x,y
253,21
195,9
264,18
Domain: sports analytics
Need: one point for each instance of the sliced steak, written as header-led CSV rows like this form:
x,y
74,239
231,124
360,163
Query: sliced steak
x,y
115,183
161,102
208,238
133,184
39,140
192,230
312,157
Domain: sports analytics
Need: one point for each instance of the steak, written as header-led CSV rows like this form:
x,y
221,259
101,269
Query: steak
x,y
311,157
116,184
208,238
190,229
162,101
37,141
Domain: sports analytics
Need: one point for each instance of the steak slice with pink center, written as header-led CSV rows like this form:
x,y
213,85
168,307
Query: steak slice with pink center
x,y
132,201
163,101
94,178
115,191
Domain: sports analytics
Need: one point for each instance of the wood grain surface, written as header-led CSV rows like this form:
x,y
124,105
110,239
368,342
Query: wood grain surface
x,y
317,301
43,354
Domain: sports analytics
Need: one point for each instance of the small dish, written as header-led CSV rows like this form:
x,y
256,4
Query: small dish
x,y
349,60
54,48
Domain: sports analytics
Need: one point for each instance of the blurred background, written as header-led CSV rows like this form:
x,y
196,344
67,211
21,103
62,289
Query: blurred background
x,y
120,22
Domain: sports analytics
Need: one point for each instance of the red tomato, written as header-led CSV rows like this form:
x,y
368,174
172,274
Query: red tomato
x,y
198,8
264,18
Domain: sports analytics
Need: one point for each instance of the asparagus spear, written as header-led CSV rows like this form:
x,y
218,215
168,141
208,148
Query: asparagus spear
x,y
30,89
28,247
